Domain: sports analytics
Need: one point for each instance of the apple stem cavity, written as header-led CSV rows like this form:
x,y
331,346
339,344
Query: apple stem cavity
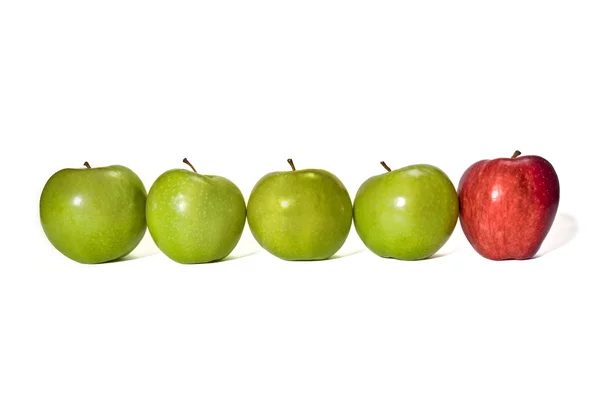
x,y
385,166
86,164
291,163
189,164
517,153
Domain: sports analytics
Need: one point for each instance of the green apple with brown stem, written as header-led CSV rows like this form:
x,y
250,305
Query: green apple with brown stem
x,y
94,214
193,217
300,214
406,214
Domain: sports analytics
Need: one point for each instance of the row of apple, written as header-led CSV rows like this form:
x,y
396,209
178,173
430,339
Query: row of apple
x,y
506,207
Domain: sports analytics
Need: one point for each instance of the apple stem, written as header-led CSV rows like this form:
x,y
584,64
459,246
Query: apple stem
x,y
189,164
86,164
385,166
291,162
517,153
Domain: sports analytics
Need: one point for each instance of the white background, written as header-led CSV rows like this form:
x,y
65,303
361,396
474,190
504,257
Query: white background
x,y
238,87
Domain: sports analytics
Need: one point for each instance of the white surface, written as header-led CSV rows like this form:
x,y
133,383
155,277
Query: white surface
x,y
238,87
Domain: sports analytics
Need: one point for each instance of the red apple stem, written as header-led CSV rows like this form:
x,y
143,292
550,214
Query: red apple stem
x,y
385,166
291,163
189,164
517,153
86,164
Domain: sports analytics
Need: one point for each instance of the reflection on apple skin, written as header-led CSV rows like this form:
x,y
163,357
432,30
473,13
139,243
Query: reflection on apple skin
x,y
400,201
496,194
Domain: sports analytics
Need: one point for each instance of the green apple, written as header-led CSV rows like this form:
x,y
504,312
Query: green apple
x,y
195,218
300,214
94,215
407,214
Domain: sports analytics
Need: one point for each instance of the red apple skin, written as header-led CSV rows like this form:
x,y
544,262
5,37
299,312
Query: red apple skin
x,y
507,206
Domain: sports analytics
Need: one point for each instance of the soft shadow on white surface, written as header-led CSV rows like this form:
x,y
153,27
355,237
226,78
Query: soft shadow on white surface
x,y
432,257
146,248
237,256
440,255
345,254
563,230
136,255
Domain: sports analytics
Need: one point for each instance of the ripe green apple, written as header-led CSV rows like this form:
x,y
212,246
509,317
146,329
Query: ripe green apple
x,y
94,215
300,214
195,218
407,214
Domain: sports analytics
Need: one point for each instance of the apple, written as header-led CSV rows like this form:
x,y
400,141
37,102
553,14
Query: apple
x,y
508,205
406,214
195,218
300,214
94,215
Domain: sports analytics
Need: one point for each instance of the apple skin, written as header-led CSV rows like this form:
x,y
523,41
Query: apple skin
x,y
508,205
406,214
300,214
195,218
94,215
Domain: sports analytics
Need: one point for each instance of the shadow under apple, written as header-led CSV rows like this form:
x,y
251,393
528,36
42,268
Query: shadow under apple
x,y
145,248
563,231
237,256
135,255
439,254
345,254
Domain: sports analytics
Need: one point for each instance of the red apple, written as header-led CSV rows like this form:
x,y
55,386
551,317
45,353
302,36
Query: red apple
x,y
508,205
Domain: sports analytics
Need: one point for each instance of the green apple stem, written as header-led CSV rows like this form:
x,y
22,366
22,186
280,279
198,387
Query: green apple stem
x,y
517,153
385,166
189,164
291,162
86,164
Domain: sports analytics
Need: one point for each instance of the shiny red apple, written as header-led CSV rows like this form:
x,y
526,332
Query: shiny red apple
x,y
507,205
